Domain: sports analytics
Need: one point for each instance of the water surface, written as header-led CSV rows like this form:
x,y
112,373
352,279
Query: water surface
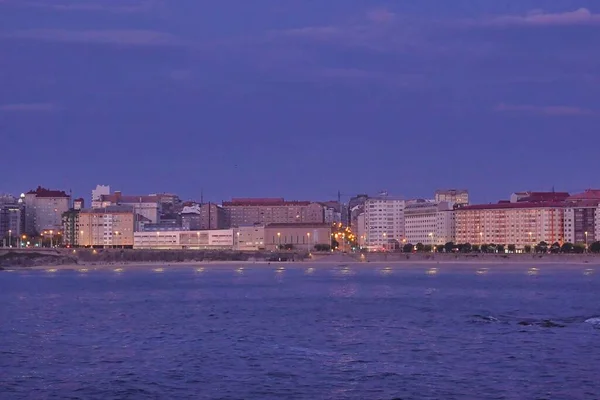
x,y
301,332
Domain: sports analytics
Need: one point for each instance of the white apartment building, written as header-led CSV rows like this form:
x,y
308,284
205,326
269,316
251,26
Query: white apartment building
x,y
384,222
196,240
101,190
429,222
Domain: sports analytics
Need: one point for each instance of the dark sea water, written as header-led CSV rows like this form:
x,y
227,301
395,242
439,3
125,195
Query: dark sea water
x,y
326,332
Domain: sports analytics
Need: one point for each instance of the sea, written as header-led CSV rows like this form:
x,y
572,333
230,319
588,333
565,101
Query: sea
x,y
301,331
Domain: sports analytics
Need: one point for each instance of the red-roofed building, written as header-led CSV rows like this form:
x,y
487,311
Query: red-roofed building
x,y
520,223
264,211
44,209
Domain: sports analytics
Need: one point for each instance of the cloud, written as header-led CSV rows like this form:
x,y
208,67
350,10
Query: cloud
x,y
380,15
582,16
130,37
115,6
29,107
559,111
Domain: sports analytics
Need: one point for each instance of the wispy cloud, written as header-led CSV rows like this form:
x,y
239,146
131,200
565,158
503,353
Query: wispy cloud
x,y
29,107
380,15
545,110
115,6
129,37
582,16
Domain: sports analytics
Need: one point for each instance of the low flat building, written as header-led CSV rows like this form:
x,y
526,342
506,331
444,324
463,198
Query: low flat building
x,y
180,240
297,236
250,238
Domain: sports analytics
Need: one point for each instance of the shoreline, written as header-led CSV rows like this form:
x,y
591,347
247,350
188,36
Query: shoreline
x,y
406,264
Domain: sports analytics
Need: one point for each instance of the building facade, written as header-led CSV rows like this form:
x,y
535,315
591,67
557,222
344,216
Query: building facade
x,y
180,240
44,209
459,197
12,220
112,226
148,207
384,223
264,211
250,238
580,221
520,223
297,236
429,222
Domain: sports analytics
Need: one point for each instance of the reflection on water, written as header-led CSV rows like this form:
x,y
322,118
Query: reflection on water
x,y
301,335
119,270
533,271
588,272
482,271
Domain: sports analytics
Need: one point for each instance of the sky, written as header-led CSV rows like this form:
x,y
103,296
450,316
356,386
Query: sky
x,y
299,98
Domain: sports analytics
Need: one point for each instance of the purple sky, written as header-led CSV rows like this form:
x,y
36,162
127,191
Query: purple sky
x,y
300,98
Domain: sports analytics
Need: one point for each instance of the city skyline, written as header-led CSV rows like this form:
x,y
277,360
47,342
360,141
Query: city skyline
x,y
265,99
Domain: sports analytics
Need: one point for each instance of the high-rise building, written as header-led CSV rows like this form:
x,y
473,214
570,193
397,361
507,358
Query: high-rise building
x,y
203,217
44,209
429,222
520,223
457,196
582,217
148,207
12,219
384,222
264,211
111,226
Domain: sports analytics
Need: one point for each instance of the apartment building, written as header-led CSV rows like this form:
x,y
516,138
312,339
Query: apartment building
x,y
457,196
44,209
297,235
111,226
264,211
148,207
179,240
12,218
582,217
520,223
384,222
429,222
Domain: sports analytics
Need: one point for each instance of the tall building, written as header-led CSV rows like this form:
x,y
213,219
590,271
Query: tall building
x,y
520,223
264,211
384,222
581,217
148,207
12,219
459,197
44,209
111,226
101,190
429,222
203,217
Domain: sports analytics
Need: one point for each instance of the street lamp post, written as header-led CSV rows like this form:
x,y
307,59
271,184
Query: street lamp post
x,y
431,241
308,247
384,241
10,238
586,241
531,241
278,240
51,239
238,240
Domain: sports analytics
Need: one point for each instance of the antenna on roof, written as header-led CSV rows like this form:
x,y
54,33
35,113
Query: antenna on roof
x,y
201,196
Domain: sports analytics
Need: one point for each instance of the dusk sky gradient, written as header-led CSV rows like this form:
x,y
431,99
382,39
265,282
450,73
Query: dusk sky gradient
x,y
300,98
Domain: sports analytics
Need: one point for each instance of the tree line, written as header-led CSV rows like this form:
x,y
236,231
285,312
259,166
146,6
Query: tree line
x,y
540,248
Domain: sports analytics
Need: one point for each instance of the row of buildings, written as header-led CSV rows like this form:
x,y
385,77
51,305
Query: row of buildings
x,y
525,219
380,222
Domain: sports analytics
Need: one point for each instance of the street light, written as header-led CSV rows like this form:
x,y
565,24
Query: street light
x,y
586,241
384,240
10,238
308,247
530,241
431,240
238,240
278,240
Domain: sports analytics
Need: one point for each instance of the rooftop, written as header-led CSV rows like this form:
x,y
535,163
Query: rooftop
x,y
264,201
119,198
43,192
589,194
299,225
520,204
